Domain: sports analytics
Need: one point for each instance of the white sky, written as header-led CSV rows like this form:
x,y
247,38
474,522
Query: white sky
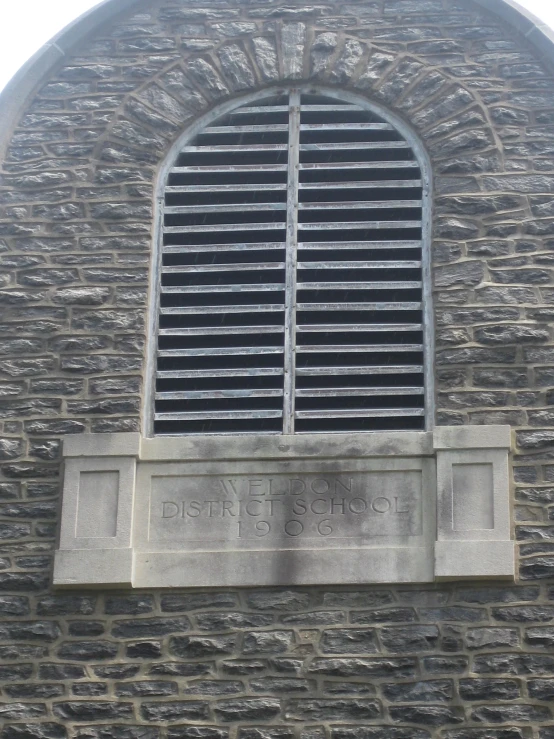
x,y
25,25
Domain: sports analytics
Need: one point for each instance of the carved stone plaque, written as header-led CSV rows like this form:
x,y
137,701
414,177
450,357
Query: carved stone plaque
x,y
265,511
286,510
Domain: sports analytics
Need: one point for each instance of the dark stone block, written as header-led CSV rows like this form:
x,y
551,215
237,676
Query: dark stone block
x,y
488,733
108,320
14,530
29,630
524,614
267,642
145,688
29,692
110,731
48,277
116,386
353,709
514,664
42,489
182,669
47,449
445,665
541,496
61,672
453,613
66,605
282,685
511,714
29,510
542,690
247,709
120,211
409,638
378,732
191,647
92,710
97,364
428,691
131,605
21,711
472,689
47,730
476,355
491,638
144,650
539,439
358,599
197,732
12,673
267,732
175,711
61,427
446,252
501,378
243,666
427,715
89,690
87,651
9,491
79,344
116,672
232,620
46,530
367,668
540,636
489,248
348,641
10,448
282,600
213,687
86,628
510,334
144,628
464,274
519,276
25,470
347,688
314,618
286,665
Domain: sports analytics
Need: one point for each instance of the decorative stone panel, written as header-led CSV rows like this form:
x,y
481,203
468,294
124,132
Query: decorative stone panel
x,y
286,510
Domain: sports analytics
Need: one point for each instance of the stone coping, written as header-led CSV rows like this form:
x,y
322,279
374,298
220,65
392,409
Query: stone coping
x,y
382,444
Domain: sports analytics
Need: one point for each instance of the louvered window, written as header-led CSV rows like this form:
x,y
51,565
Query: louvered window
x,y
291,294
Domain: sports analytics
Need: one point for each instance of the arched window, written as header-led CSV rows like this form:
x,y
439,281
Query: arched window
x,y
292,278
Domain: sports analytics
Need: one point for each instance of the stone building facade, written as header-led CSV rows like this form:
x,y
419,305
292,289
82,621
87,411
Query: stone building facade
x,y
465,660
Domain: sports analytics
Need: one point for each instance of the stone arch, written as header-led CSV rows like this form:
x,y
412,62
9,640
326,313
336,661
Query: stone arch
x,y
449,117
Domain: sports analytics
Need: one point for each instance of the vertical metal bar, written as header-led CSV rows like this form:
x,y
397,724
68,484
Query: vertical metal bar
x,y
154,316
291,250
427,295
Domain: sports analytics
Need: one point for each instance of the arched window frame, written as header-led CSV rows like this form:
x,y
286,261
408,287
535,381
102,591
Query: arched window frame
x,y
220,110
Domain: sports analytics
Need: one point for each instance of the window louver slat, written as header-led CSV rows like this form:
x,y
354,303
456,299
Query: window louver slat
x,y
261,328
366,296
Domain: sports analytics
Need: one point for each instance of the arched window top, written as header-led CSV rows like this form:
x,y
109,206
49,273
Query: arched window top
x,y
293,289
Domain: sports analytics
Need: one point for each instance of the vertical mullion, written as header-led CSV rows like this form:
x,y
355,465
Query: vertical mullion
x,y
291,258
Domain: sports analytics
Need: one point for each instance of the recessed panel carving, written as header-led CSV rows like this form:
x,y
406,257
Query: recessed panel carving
x,y
473,497
97,505
269,511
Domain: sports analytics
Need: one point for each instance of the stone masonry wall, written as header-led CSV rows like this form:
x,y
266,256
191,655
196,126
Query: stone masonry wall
x,y
76,205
